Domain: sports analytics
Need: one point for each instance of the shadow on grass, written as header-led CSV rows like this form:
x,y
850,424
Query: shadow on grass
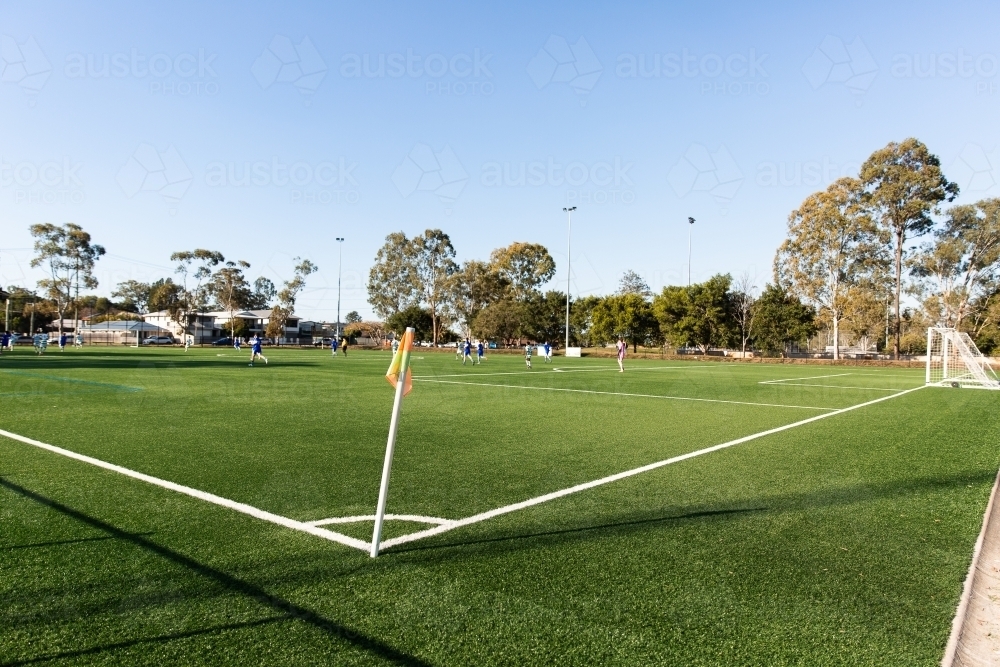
x,y
57,543
582,530
288,610
76,360
835,497
148,640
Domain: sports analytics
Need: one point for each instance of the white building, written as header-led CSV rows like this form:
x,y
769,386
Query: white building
x,y
210,326
119,332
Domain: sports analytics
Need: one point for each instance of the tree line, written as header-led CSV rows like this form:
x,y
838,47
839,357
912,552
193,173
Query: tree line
x,y
850,256
207,281
852,252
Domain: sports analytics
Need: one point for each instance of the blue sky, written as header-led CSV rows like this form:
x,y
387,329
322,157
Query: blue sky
x,y
140,122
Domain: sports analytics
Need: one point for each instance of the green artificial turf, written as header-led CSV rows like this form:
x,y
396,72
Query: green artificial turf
x,y
842,541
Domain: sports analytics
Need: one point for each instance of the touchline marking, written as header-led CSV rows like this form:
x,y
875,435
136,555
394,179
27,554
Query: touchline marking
x,y
416,518
200,495
437,530
562,370
618,393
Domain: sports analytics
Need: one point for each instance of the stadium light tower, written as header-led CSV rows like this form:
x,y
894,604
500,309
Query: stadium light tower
x,y
340,264
569,234
690,227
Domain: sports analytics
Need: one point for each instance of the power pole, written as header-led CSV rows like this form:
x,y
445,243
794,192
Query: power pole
x,y
569,236
690,227
340,264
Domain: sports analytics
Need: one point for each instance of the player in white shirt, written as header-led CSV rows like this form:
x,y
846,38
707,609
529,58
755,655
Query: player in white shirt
x,y
527,355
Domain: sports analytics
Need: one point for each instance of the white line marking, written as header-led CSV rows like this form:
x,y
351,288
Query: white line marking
x,y
390,517
616,393
437,530
200,495
563,370
814,377
831,386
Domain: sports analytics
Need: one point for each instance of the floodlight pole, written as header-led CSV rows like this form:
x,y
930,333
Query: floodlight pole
x,y
340,264
690,227
383,492
569,236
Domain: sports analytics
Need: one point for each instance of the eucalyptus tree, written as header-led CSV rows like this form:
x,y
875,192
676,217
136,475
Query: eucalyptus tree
x,y
960,266
287,296
197,264
69,256
433,264
832,246
903,186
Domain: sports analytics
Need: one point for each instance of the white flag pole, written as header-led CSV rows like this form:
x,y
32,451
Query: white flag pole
x,y
383,491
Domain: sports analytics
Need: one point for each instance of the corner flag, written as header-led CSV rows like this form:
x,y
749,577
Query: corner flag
x,y
401,363
400,366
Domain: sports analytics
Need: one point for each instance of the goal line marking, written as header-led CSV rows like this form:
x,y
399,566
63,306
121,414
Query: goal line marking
x,y
483,516
617,393
195,493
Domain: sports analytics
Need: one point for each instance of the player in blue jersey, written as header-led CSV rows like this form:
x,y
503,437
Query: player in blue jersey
x,y
479,353
466,351
333,346
548,352
255,350
62,342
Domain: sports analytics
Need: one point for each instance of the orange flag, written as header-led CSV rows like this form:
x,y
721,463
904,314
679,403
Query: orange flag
x,y
401,363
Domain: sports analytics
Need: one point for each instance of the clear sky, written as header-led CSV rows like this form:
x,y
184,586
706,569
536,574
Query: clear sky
x,y
266,130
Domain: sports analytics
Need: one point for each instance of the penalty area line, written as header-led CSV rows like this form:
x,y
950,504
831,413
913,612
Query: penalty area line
x,y
200,495
476,518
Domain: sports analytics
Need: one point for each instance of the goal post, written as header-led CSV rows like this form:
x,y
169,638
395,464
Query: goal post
x,y
954,360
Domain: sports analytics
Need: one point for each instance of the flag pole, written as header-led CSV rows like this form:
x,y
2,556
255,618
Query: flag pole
x,y
383,491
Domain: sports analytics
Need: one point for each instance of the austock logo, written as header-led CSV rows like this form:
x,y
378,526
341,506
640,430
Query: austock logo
x,y
24,65
559,62
327,182
284,62
700,170
601,182
149,170
424,170
976,170
49,182
834,62
184,74
457,74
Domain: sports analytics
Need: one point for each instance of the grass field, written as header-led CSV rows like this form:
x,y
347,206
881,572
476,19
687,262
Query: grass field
x,y
841,540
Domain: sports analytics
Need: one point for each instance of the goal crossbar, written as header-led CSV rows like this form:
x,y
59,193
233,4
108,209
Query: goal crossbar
x,y
953,359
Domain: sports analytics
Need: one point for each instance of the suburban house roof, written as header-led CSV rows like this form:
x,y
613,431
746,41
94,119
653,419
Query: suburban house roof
x,y
251,314
124,325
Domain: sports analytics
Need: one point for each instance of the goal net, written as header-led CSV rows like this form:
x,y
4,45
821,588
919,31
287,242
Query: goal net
x,y
953,359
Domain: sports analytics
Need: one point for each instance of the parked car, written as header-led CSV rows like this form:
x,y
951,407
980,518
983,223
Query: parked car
x,y
158,340
322,342
224,341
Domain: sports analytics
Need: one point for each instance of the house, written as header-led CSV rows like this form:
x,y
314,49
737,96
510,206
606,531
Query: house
x,y
119,332
213,325
200,325
256,322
